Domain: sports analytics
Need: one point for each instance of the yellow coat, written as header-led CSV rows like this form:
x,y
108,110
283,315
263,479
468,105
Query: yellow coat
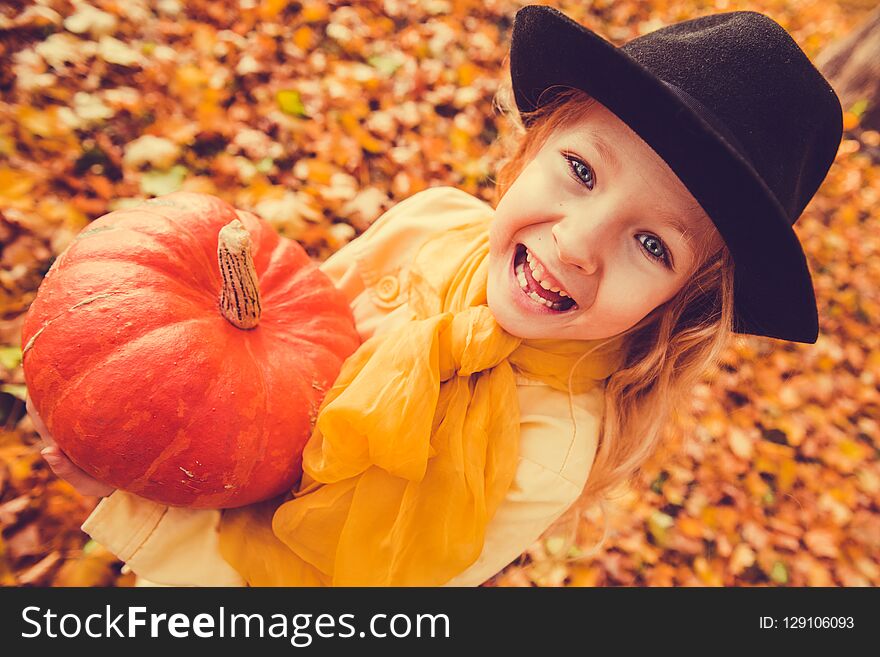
x,y
178,546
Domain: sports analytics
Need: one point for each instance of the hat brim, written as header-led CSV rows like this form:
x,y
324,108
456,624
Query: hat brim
x,y
773,291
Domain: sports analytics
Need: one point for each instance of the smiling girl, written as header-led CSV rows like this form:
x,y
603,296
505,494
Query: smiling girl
x,y
520,361
598,277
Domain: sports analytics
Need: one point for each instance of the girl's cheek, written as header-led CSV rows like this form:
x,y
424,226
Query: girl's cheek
x,y
513,223
502,232
627,299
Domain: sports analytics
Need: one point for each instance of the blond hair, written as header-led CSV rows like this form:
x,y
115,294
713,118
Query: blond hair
x,y
667,352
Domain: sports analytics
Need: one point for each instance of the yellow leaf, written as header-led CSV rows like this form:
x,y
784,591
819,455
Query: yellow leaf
x,y
44,124
303,38
740,443
208,111
707,573
204,38
15,184
793,428
189,78
467,73
756,486
850,121
90,569
269,9
763,464
459,139
728,517
848,215
709,517
584,576
742,557
367,141
319,171
315,11
787,475
853,450
690,527
7,145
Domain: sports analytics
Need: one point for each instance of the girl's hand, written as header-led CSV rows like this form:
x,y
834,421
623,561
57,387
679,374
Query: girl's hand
x,y
63,466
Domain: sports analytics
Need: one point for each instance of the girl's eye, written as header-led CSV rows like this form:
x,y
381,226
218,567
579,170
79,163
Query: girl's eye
x,y
653,246
655,249
581,171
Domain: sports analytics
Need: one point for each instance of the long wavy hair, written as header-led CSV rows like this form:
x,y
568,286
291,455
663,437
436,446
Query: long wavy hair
x,y
667,352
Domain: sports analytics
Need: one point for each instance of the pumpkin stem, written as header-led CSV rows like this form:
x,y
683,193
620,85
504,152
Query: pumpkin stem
x,y
240,294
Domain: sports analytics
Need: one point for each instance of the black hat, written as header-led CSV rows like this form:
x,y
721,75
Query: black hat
x,y
737,111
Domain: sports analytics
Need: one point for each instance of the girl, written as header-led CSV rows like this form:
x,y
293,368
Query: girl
x,y
511,352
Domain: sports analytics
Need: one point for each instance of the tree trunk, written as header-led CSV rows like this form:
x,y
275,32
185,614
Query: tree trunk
x,y
852,66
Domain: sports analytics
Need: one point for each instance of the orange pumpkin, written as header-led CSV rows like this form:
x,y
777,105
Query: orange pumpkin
x,y
181,349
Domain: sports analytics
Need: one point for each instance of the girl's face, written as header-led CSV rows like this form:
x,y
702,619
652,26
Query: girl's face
x,y
600,218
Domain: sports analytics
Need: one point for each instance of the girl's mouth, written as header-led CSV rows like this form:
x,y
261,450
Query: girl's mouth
x,y
538,297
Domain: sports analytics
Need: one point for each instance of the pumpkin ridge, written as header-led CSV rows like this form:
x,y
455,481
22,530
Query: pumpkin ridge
x,y
311,288
208,261
284,336
133,292
263,417
144,486
327,353
182,226
169,451
33,339
73,384
188,288
303,320
170,266
281,258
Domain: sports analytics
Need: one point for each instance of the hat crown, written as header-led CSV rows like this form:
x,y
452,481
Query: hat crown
x,y
751,80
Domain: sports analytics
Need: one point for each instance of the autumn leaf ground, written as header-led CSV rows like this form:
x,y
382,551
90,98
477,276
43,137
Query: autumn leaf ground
x,y
321,115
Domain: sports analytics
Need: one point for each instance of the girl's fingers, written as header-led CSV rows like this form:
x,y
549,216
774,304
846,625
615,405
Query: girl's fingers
x,y
37,421
64,468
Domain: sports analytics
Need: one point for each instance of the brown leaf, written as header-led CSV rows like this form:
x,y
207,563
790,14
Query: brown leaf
x,y
39,573
9,511
25,542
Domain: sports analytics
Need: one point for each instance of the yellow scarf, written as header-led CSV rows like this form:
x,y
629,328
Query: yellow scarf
x,y
416,443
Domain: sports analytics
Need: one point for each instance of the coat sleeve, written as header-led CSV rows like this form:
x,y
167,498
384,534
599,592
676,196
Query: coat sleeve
x,y
341,267
178,546
166,545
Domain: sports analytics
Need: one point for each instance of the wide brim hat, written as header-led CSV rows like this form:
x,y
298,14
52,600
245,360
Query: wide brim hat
x,y
737,111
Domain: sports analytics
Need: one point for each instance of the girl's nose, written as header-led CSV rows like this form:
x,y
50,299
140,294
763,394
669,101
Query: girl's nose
x,y
578,244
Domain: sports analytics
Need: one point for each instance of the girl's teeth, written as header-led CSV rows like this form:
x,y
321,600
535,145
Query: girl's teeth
x,y
523,283
538,272
536,297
